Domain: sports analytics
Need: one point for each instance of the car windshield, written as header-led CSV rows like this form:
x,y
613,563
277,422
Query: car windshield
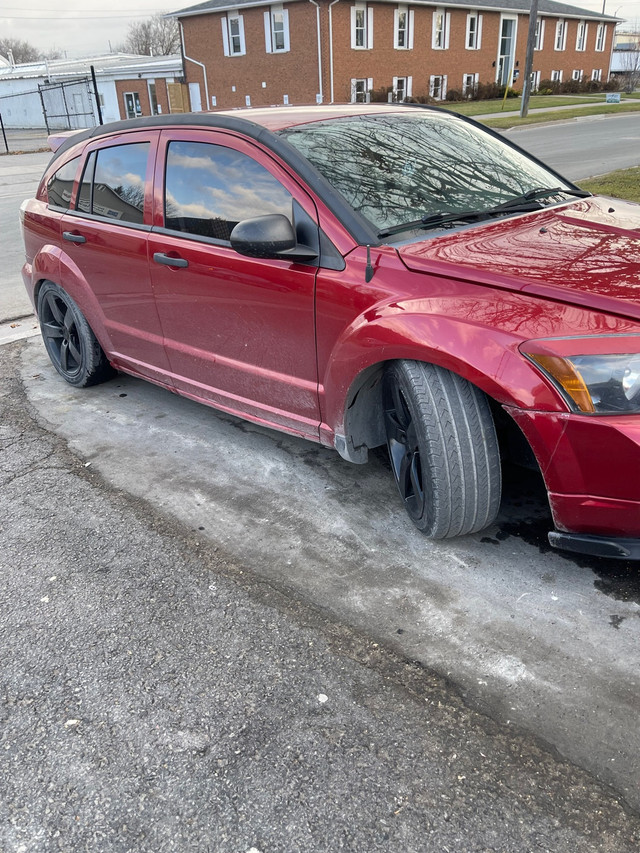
x,y
398,168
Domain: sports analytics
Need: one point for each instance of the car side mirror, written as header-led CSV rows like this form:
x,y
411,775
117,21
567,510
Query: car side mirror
x,y
269,236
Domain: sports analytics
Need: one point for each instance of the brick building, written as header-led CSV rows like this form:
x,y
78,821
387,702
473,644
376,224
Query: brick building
x,y
256,53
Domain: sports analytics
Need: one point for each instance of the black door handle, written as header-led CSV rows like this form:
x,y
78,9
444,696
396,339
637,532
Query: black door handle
x,y
168,261
73,238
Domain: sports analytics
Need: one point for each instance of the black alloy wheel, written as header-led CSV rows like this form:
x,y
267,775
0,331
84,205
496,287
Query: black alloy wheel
x,y
72,347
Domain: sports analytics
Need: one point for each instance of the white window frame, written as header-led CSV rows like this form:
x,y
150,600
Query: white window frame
x,y
443,86
407,32
539,42
556,76
577,74
535,81
469,81
368,82
596,75
406,88
229,39
581,36
366,29
560,41
440,29
601,37
271,29
473,35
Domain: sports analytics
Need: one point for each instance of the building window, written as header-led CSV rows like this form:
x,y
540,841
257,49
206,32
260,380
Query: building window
x,y
581,36
233,35
438,87
403,28
576,74
440,29
153,98
276,30
402,88
470,84
473,39
600,37
556,76
535,81
596,74
561,35
132,105
539,42
362,27
361,90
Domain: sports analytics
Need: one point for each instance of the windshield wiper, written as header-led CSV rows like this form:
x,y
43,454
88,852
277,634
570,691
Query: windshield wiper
x,y
524,203
535,195
433,219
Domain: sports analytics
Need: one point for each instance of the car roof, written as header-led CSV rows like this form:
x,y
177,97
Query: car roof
x,y
247,120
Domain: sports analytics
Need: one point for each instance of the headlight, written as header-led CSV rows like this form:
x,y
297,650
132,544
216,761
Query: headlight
x,y
597,384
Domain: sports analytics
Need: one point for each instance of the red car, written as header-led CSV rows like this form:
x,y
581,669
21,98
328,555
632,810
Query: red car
x,y
360,275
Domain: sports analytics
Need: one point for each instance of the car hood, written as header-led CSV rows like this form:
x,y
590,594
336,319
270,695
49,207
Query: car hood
x,y
586,253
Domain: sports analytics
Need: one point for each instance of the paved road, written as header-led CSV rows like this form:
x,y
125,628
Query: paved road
x,y
160,693
586,147
19,178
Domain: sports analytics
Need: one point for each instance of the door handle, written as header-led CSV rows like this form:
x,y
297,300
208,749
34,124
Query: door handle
x,y
168,261
73,238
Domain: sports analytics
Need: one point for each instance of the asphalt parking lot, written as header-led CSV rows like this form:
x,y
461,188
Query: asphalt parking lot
x,y
218,635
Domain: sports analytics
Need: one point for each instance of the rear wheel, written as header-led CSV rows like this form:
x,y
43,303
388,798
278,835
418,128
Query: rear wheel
x,y
443,449
69,340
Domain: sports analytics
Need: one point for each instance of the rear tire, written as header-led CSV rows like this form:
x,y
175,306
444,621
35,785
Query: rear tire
x,y
69,340
443,449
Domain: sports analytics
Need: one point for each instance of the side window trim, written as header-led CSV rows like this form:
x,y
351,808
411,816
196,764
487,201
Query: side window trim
x,y
90,156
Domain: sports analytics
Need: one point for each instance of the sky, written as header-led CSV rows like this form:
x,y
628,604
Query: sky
x,y
92,27
79,27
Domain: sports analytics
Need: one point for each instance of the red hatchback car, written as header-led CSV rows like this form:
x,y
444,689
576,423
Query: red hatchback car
x,y
360,276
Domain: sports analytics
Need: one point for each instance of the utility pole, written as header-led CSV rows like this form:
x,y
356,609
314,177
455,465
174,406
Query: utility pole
x,y
528,63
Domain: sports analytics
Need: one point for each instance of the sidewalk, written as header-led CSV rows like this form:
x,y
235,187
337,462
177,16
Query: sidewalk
x,y
24,139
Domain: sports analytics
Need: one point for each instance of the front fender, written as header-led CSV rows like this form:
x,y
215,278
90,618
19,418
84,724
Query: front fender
x,y
473,331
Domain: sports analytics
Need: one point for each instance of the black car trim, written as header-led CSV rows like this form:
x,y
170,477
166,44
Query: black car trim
x,y
360,229
94,217
612,547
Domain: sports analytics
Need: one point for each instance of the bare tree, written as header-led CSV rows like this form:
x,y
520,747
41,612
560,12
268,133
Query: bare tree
x,y
21,51
156,36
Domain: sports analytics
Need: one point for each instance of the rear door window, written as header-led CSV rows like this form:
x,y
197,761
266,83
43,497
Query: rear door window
x,y
113,182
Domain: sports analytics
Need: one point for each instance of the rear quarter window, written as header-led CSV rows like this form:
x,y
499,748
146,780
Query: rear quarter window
x,y
60,184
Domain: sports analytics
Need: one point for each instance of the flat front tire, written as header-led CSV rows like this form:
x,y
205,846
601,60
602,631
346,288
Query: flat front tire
x,y
443,449
69,340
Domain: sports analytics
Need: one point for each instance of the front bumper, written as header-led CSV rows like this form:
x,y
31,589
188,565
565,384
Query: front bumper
x,y
591,468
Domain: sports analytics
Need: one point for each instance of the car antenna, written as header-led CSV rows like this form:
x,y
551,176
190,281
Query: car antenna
x,y
369,270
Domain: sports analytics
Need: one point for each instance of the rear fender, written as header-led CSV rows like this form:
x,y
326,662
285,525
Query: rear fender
x,y
53,264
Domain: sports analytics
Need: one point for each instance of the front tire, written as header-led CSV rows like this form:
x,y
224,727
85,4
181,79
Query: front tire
x,y
443,449
69,340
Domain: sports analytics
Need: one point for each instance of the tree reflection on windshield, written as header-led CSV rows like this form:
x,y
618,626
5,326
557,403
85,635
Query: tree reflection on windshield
x,y
395,168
